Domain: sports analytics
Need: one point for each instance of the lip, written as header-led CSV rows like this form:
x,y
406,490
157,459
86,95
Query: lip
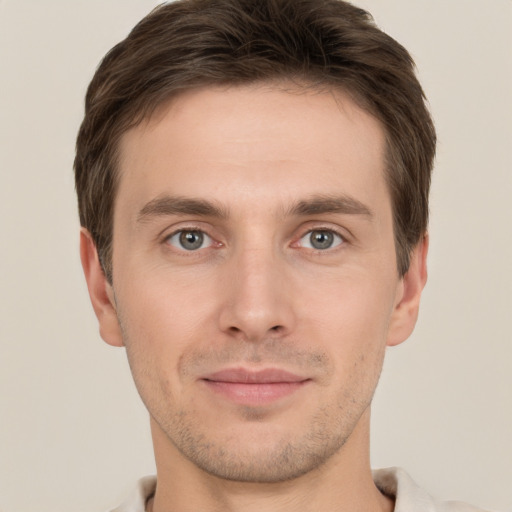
x,y
264,376
254,388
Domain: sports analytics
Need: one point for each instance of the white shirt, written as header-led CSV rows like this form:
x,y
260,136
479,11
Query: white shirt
x,y
393,482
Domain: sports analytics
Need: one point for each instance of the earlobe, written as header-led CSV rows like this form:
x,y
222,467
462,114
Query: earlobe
x,y
407,305
100,291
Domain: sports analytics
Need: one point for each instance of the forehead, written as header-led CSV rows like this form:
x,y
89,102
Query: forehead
x,y
239,141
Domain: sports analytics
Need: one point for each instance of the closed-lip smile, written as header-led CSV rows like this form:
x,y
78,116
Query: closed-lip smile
x,y
254,387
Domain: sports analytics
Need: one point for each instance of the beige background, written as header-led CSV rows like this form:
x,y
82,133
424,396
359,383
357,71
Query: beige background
x,y
73,433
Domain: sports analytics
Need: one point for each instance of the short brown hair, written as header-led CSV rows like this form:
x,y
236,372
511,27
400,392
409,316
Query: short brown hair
x,y
194,43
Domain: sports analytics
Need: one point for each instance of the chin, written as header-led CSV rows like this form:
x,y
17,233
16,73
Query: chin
x,y
259,453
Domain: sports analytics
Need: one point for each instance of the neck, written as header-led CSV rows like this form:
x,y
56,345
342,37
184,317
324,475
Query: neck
x,y
343,482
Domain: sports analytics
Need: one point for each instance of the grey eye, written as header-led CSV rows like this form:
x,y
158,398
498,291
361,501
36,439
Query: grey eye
x,y
321,239
190,240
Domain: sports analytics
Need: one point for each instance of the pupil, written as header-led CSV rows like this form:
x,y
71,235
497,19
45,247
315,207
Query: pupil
x,y
321,239
191,240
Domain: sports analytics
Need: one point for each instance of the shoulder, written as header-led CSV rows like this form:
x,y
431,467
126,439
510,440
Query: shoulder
x,y
137,501
409,497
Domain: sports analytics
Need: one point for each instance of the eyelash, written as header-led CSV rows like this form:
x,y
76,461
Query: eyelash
x,y
188,229
191,229
342,238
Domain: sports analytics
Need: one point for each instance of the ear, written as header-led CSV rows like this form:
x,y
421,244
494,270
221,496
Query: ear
x,y
100,291
407,304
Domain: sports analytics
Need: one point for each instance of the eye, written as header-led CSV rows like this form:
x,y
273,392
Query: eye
x,y
321,239
189,240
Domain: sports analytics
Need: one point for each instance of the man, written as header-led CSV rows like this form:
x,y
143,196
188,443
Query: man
x,y
253,184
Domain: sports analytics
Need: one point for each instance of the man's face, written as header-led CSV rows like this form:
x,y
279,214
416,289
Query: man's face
x,y
254,275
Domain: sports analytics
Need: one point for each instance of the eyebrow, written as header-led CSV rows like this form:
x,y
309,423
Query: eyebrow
x,y
319,204
175,205
331,204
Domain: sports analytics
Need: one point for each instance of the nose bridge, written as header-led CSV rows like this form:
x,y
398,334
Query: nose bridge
x,y
258,298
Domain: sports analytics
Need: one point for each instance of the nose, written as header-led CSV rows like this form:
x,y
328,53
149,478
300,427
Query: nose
x,y
258,303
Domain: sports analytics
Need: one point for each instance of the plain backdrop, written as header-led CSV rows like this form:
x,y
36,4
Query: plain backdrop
x,y
74,435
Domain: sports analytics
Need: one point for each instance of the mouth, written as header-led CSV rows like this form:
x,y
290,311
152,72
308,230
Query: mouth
x,y
254,388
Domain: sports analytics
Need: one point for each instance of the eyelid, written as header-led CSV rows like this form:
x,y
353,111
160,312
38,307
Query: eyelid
x,y
207,239
323,226
341,238
190,225
167,234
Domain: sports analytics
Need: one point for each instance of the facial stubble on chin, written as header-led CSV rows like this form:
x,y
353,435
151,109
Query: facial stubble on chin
x,y
272,457
282,460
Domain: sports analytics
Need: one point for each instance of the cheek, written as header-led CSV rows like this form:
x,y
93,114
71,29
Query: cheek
x,y
161,319
353,307
164,307
350,317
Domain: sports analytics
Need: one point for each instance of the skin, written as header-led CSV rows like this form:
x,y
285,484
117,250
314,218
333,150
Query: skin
x,y
274,166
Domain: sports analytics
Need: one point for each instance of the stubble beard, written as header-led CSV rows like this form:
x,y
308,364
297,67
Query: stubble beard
x,y
263,460
267,457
